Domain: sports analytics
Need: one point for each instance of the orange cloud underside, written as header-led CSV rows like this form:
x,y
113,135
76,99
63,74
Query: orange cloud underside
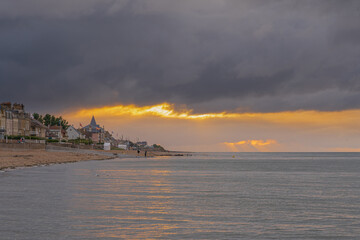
x,y
254,142
166,110
250,145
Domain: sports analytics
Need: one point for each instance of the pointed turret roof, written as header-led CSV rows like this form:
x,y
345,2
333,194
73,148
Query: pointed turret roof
x,y
93,126
93,122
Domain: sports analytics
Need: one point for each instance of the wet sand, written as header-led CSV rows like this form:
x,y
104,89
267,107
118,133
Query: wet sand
x,y
28,158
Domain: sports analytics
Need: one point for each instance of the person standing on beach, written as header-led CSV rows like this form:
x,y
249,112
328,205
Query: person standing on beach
x,y
145,153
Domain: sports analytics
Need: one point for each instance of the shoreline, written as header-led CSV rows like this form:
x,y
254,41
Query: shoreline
x,y
30,158
15,158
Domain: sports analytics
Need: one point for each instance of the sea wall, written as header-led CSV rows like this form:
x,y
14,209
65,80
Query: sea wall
x,y
22,146
70,145
55,148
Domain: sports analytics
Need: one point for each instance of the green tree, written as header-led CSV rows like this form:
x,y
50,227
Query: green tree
x,y
159,147
62,122
47,120
36,116
41,119
53,121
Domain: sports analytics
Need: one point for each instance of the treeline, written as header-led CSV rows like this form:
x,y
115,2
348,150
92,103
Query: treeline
x,y
51,120
158,147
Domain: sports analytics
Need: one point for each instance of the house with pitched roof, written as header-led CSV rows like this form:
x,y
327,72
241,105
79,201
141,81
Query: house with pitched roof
x,y
38,129
73,133
56,132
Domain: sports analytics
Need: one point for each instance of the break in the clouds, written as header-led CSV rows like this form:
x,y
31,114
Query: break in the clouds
x,y
212,55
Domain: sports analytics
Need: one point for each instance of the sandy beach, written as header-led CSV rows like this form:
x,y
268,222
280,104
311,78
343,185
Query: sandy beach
x,y
28,158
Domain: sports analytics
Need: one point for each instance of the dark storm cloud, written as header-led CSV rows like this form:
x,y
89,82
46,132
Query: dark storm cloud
x,y
213,55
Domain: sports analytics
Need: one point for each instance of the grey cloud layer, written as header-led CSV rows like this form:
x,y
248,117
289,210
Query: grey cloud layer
x,y
212,55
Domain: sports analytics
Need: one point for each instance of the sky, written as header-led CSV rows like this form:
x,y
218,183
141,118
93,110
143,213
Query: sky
x,y
193,75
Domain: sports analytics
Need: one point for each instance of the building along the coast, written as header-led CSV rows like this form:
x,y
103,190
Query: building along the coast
x,y
110,139
2,124
94,132
14,121
98,134
38,129
73,133
142,144
56,132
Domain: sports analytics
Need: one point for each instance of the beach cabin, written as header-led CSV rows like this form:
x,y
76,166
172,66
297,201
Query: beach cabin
x,y
107,146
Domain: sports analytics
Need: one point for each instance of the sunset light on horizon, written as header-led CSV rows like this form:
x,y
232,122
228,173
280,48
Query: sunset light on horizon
x,y
166,110
280,127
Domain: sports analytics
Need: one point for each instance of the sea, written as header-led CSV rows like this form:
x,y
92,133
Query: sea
x,y
203,196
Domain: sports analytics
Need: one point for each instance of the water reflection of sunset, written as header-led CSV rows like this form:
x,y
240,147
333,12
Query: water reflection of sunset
x,y
126,200
209,196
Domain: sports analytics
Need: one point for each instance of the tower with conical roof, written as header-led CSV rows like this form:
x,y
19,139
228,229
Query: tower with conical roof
x,y
93,122
94,130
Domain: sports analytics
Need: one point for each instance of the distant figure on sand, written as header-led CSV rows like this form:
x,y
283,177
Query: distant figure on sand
x,y
145,153
138,151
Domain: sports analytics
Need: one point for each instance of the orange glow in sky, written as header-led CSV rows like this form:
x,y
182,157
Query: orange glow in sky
x,y
184,129
166,110
254,142
257,145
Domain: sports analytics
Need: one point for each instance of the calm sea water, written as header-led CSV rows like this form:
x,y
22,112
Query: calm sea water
x,y
207,196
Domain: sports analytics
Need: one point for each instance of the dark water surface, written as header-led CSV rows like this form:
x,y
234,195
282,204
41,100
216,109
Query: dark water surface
x,y
209,196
